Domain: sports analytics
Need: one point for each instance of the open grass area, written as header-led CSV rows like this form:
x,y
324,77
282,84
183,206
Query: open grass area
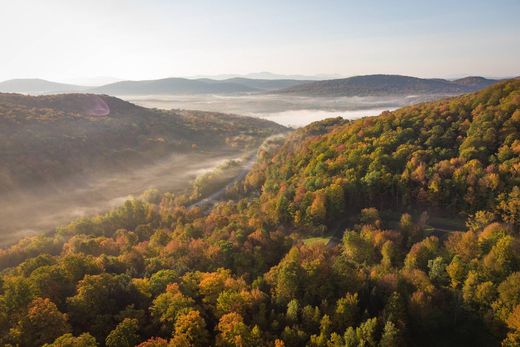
x,y
313,240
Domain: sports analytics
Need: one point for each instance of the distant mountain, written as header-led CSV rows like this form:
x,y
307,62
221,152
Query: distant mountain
x,y
37,86
383,85
476,82
271,76
370,85
172,86
265,75
193,86
266,84
94,81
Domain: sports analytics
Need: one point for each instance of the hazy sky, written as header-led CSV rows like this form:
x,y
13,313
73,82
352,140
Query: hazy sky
x,y
71,39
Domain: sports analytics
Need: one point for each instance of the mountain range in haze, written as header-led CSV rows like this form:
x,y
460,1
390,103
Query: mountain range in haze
x,y
383,85
368,85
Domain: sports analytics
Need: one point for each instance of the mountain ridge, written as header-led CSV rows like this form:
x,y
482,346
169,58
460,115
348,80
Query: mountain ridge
x,y
383,85
367,85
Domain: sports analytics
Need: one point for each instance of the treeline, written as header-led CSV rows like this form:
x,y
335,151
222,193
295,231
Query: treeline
x,y
156,273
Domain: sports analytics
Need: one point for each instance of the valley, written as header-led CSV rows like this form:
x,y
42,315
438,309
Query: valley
x,y
75,155
260,173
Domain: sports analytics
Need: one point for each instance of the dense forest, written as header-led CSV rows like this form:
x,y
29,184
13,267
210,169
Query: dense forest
x,y
395,230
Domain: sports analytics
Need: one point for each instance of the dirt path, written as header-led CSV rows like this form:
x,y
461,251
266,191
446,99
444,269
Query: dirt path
x,y
215,197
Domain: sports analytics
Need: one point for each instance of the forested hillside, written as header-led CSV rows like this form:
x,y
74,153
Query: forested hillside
x,y
47,139
259,269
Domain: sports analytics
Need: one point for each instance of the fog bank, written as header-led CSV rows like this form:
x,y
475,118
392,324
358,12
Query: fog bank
x,y
35,211
295,111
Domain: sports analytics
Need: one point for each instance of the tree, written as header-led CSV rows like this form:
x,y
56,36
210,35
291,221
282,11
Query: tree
x,y
43,323
190,330
437,271
335,201
395,310
98,300
514,319
350,338
318,210
346,311
356,248
511,340
335,340
389,254
503,258
161,279
168,305
370,216
325,330
68,340
51,282
508,296
155,342
311,318
421,253
292,311
479,220
366,333
17,294
286,277
390,337
232,331
233,301
457,271
124,335
509,206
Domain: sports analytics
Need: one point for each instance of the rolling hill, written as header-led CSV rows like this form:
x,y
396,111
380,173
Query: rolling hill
x,y
45,139
193,86
172,86
149,87
476,82
385,85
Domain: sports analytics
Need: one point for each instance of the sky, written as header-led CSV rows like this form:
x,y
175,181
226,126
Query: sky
x,y
73,40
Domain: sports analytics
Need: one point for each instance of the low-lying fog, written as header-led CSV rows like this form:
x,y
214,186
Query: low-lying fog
x,y
291,111
42,210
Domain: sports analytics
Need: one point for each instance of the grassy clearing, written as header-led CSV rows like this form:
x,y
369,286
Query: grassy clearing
x,y
313,240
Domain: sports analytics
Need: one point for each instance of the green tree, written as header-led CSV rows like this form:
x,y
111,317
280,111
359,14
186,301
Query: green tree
x,y
367,333
168,305
346,312
390,337
43,323
68,340
124,335
292,311
457,271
